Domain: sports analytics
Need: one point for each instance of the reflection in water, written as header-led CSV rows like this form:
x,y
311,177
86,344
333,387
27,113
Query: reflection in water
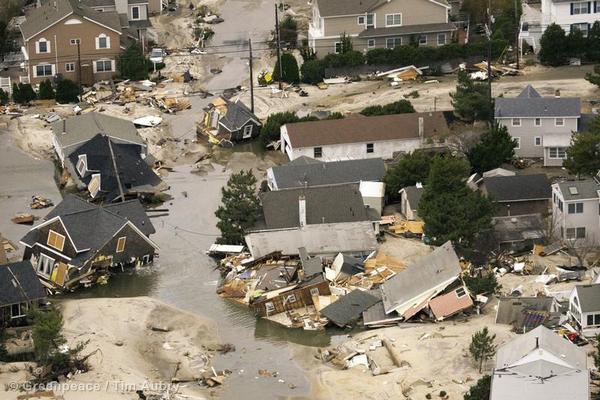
x,y
122,284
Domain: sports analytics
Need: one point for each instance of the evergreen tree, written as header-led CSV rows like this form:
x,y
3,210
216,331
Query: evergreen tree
x,y
67,91
288,31
450,210
23,93
410,169
481,390
46,91
471,100
397,107
345,44
240,209
594,78
289,69
593,42
495,147
482,346
3,97
484,282
47,336
271,128
132,63
553,44
583,156
576,44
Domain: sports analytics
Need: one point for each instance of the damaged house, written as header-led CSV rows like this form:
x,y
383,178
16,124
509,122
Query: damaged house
x,y
78,239
325,220
519,194
584,308
20,290
229,122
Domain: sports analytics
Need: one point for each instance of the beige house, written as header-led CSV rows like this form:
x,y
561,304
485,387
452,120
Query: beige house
x,y
378,24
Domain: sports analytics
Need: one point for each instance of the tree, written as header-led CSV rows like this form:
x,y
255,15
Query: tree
x,y
289,69
313,71
46,91
553,45
240,209
410,169
593,42
397,107
288,32
594,78
345,44
3,97
46,334
482,346
271,128
471,100
483,282
495,147
132,63
67,91
597,353
583,156
450,210
23,93
481,390
576,44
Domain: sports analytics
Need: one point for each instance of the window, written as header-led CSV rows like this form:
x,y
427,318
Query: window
x,y
56,240
597,319
70,67
537,140
317,152
314,291
441,39
559,122
422,40
590,320
74,42
269,307
557,152
580,8
370,147
580,233
94,185
584,27
518,142
43,46
576,208
247,132
291,298
538,122
82,165
43,70
560,204
18,310
390,43
121,244
102,41
393,19
460,292
337,47
135,12
516,122
45,264
361,20
370,20
104,66
371,43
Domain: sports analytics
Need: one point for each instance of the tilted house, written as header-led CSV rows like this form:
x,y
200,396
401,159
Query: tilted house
x,y
78,238
374,24
229,121
541,126
358,137
20,290
584,308
325,220
410,197
540,365
518,194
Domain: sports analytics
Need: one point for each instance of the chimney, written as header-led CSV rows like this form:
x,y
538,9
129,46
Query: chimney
x,y
302,210
64,130
537,342
421,128
557,93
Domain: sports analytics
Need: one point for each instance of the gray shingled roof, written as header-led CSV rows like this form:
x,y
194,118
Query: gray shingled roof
x,y
586,189
518,187
19,283
328,173
39,19
413,194
349,308
529,104
237,115
407,30
325,204
330,8
589,297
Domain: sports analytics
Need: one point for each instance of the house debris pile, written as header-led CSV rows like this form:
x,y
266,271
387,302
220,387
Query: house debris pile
x,y
310,293
38,202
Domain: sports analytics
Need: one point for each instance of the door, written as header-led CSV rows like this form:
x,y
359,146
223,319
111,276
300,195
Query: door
x,y
87,74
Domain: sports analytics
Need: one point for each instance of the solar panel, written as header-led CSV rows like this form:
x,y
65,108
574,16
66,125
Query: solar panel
x,y
573,190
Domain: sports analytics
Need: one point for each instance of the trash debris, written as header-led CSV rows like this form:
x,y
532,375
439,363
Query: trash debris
x,y
24,219
38,202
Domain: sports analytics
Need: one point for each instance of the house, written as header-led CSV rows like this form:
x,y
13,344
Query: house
x,y
518,234
541,126
325,220
375,24
112,171
409,201
71,133
20,290
518,194
540,365
290,298
56,32
78,239
229,121
527,313
584,308
412,289
575,216
349,308
133,14
570,15
359,137
306,171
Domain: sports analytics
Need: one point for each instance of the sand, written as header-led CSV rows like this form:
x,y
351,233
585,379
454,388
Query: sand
x,y
131,354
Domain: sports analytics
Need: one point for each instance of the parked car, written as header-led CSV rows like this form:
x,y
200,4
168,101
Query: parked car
x,y
157,55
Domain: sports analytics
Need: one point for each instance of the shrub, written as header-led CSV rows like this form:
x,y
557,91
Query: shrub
x,y
132,63
67,91
46,91
313,71
397,107
289,69
3,97
288,32
23,93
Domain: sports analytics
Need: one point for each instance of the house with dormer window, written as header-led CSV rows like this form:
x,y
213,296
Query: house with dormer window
x,y
374,24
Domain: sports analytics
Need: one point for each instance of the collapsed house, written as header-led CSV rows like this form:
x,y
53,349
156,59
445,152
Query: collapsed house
x,y
20,291
324,220
79,240
229,122
410,196
527,313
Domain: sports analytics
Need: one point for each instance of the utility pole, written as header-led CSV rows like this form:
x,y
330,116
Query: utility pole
x,y
518,29
79,68
251,77
277,37
488,32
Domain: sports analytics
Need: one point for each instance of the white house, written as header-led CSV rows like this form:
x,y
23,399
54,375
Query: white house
x,y
358,137
584,308
575,211
409,201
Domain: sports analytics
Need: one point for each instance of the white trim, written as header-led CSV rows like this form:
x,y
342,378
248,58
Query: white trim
x,y
392,15
48,27
139,17
103,60
535,138
393,38
48,46
37,267
102,36
535,120
67,69
35,74
50,249
556,121
102,25
83,163
518,140
369,45
445,39
50,231
364,17
419,40
387,34
65,229
515,121
335,50
135,228
73,21
244,134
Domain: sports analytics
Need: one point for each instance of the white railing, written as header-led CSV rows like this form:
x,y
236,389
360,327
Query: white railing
x,y
6,85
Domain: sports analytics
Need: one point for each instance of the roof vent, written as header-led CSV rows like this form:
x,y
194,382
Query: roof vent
x,y
573,190
513,220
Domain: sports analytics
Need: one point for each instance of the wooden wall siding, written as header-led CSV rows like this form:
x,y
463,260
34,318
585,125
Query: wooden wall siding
x,y
135,247
57,226
303,298
522,208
